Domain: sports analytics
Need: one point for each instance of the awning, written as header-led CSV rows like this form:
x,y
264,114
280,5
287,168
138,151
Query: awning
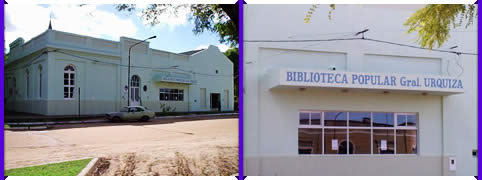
x,y
173,77
303,78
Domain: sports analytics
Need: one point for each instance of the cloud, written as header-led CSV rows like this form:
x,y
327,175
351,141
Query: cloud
x,y
86,20
170,17
222,47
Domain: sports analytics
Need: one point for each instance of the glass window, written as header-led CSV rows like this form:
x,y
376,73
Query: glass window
x,y
166,94
360,140
69,82
309,141
411,120
315,118
335,119
383,141
383,119
360,119
401,120
406,141
305,118
139,109
333,139
357,133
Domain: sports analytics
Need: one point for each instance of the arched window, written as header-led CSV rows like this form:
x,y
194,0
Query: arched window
x,y
69,82
40,81
27,84
135,91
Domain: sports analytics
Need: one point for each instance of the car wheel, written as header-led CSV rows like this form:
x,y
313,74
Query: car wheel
x,y
116,119
144,119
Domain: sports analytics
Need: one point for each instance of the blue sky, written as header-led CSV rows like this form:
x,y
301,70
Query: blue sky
x,y
174,32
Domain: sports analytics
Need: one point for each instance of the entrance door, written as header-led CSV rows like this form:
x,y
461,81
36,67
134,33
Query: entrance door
x,y
215,102
135,93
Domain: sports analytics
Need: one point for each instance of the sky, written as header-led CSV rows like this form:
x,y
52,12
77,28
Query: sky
x,y
174,32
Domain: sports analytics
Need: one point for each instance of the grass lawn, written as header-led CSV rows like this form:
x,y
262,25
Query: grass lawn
x,y
69,168
6,126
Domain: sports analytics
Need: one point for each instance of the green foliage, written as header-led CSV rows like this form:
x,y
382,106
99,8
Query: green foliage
x,y
434,22
69,168
166,109
312,10
233,55
206,18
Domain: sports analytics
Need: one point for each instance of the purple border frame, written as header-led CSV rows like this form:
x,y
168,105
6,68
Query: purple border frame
x,y
479,124
2,113
240,89
240,97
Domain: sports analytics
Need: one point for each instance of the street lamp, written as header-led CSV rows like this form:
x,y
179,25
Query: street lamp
x,y
129,71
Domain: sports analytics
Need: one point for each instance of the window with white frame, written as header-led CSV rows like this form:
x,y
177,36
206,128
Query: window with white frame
x,y
69,82
167,94
345,132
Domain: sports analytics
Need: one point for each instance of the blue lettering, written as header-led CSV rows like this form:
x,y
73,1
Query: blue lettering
x,y
300,76
459,85
289,76
353,78
393,83
330,78
345,80
317,77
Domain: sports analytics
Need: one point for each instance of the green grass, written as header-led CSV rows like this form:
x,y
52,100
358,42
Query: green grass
x,y
6,126
69,168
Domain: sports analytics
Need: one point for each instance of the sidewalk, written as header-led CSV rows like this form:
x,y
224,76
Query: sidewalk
x,y
20,116
87,119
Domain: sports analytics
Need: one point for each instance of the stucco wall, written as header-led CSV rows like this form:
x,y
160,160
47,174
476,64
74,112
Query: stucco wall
x,y
447,125
101,73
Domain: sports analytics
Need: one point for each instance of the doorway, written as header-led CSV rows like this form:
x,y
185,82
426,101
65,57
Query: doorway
x,y
215,102
135,93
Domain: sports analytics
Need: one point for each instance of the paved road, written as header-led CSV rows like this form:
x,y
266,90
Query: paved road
x,y
152,142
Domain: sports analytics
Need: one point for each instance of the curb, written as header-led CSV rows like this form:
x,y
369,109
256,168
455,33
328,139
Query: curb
x,y
105,121
89,168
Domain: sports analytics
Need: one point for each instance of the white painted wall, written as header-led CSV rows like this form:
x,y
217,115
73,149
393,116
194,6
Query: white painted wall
x,y
101,74
448,124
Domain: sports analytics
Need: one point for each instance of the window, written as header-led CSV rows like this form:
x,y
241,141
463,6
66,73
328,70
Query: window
x,y
28,84
166,94
340,132
69,82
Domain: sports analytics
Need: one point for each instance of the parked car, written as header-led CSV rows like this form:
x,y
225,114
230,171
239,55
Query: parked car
x,y
131,113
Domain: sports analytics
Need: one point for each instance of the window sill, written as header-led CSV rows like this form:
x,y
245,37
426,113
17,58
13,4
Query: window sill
x,y
357,155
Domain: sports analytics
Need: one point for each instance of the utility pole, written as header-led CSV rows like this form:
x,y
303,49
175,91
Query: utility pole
x,y
129,70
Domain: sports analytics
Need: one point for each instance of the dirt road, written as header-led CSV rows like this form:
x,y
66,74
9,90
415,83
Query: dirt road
x,y
148,144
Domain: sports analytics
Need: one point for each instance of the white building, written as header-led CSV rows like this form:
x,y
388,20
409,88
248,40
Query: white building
x,y
60,73
355,107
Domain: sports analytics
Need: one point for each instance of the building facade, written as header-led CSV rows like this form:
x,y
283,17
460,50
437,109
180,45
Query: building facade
x,y
60,73
355,107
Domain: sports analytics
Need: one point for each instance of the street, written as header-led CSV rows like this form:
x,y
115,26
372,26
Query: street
x,y
151,143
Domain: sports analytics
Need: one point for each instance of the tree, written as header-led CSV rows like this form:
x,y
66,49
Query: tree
x,y
233,55
432,23
221,19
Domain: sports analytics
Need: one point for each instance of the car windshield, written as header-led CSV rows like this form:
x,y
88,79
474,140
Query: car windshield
x,y
124,109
